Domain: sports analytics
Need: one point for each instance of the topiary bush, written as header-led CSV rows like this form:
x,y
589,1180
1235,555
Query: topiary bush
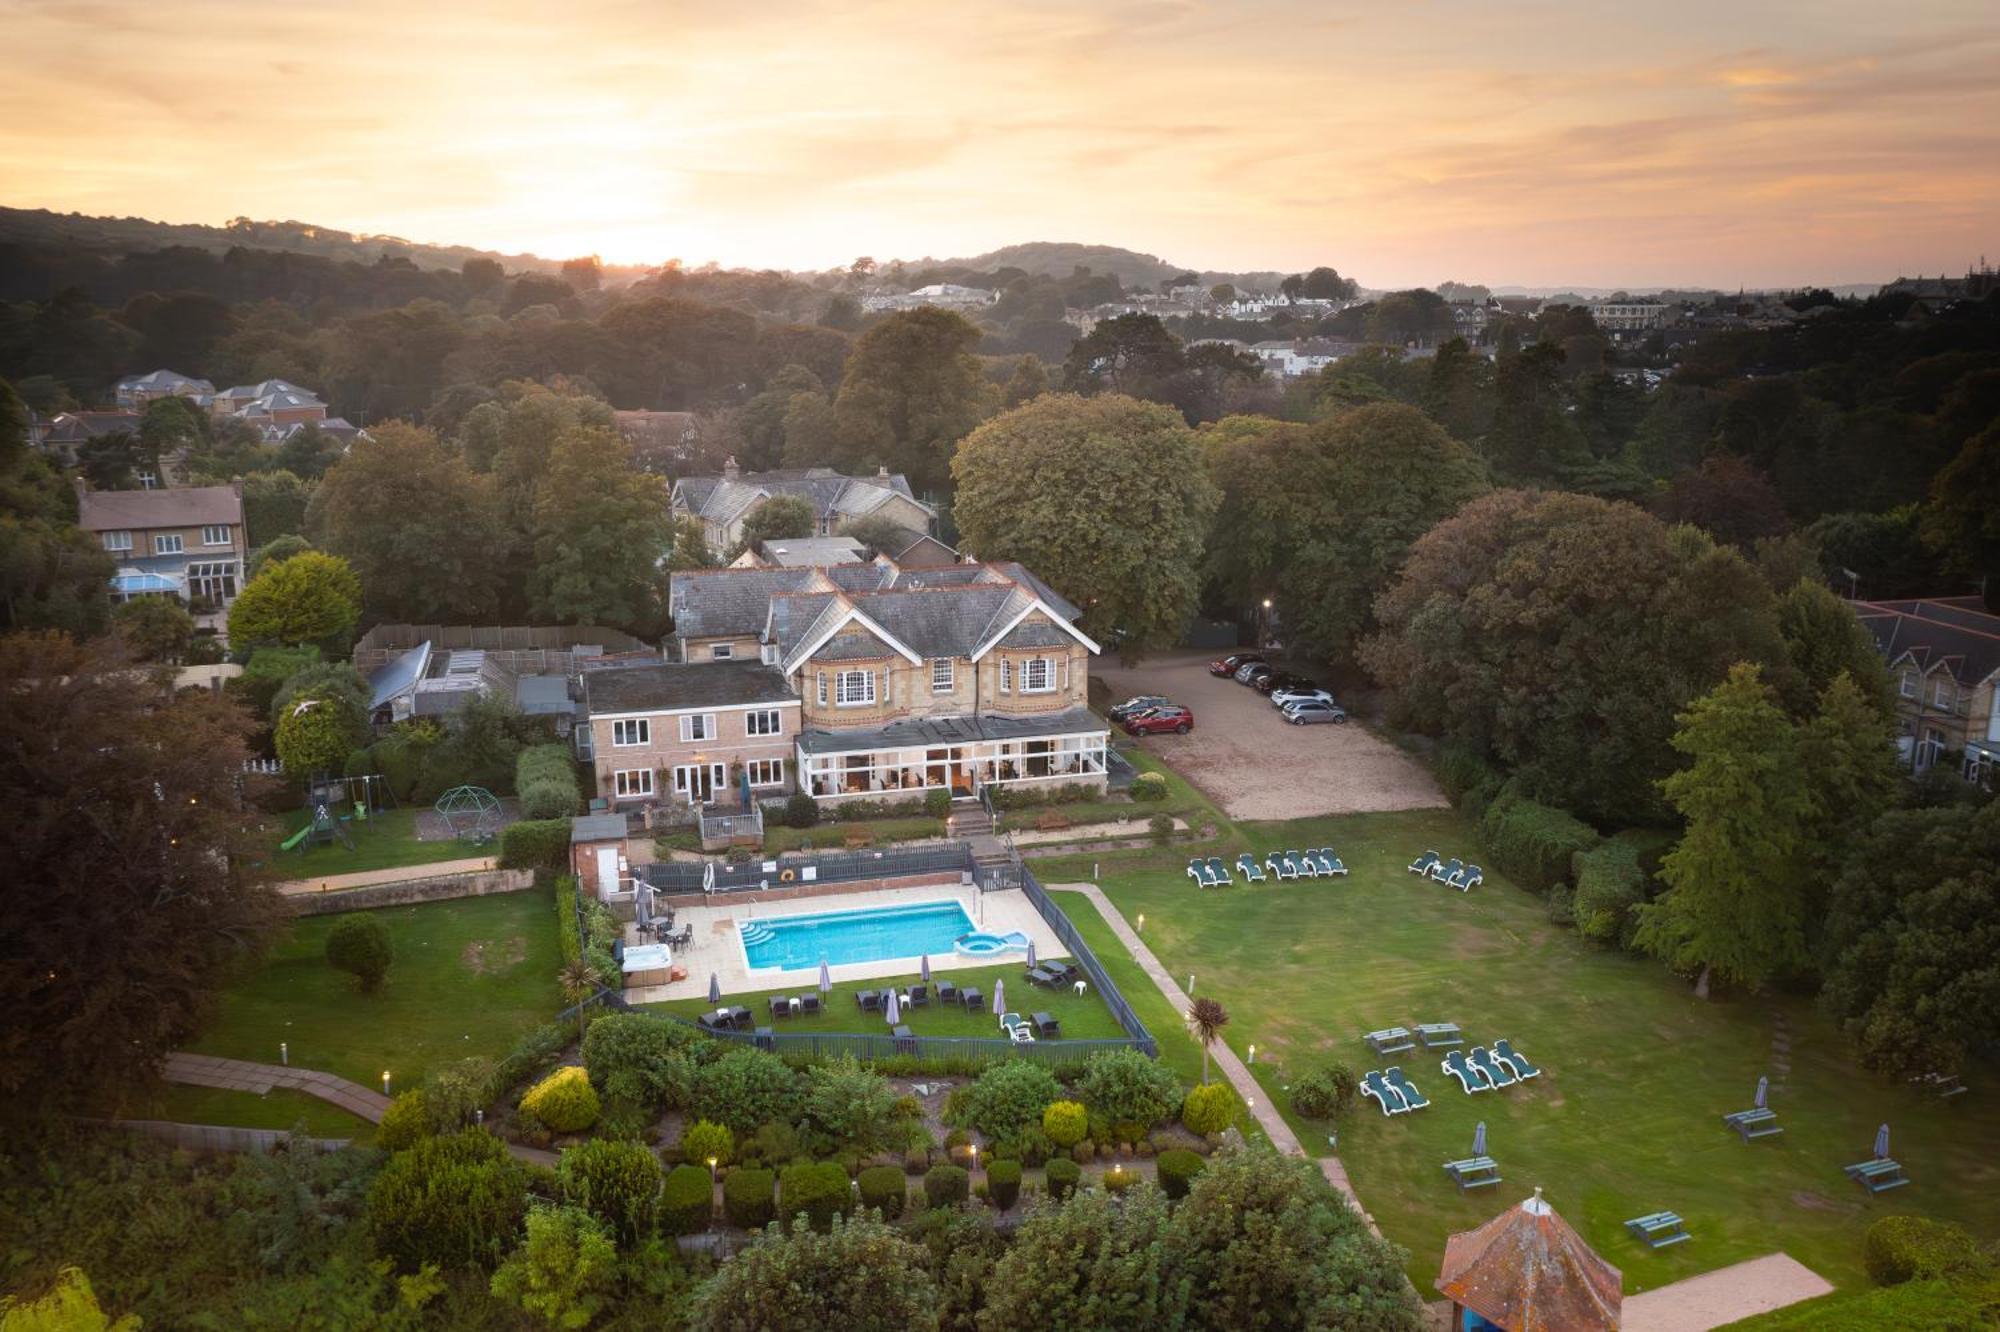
x,y
1177,1171
946,1185
1325,1092
1062,1178
746,1198
801,810
1209,1109
687,1202
883,1188
535,844
818,1189
1148,786
705,1141
1008,1097
1003,1183
1533,843
1065,1122
360,946
405,1122
616,1182
564,1100
1126,1085
1905,1248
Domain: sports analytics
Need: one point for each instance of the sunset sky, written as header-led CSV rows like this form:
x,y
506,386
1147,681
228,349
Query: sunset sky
x,y
1727,144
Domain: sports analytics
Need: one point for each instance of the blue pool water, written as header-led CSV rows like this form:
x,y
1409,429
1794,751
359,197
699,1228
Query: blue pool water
x,y
865,934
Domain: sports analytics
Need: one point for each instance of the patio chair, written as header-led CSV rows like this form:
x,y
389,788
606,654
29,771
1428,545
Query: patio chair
x,y
920,995
1470,1078
1247,865
1021,1035
741,1019
870,1000
1046,1027
974,1001
947,992
1516,1062
781,1006
1009,1021
1377,1089
1496,1072
1423,863
1304,863
1443,873
808,1003
1220,869
1198,871
1413,1098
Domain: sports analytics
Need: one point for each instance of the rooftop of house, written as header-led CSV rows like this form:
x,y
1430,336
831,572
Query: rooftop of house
x,y
917,732
724,498
683,688
1955,634
75,427
264,389
127,510
164,381
812,552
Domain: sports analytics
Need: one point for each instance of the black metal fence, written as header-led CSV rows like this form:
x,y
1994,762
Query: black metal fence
x,y
945,1052
818,867
1114,999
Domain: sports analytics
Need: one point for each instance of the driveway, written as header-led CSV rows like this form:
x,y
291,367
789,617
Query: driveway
x,y
1255,765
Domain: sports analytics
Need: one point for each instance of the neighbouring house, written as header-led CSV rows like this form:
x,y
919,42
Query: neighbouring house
x,y
924,552
136,392
691,734
187,543
723,502
1943,655
63,433
659,439
803,553
430,682
944,295
240,398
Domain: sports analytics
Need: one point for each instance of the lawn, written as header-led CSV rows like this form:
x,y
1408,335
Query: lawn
x,y
387,840
1624,1120
469,976
281,1108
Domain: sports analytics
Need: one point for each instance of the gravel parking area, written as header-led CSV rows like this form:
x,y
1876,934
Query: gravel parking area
x,y
1255,765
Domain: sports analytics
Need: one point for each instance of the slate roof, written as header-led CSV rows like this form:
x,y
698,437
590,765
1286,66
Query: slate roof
x,y
170,380
720,498
729,603
130,510
76,427
812,552
597,828
926,731
684,687
543,695
1526,1268
1953,633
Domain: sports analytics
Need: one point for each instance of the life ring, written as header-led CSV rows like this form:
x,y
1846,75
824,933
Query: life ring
x,y
785,876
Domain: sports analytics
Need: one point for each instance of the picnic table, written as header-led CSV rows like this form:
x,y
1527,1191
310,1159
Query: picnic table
x,y
1390,1040
1879,1175
1474,1172
1761,1122
1659,1229
1439,1035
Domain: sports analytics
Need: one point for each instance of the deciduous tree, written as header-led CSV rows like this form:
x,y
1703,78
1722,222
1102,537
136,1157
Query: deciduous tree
x,y
312,597
601,531
780,518
859,1273
565,1269
912,390
158,628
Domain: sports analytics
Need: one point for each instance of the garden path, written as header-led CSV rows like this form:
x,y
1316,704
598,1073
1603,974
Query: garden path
x,y
241,1075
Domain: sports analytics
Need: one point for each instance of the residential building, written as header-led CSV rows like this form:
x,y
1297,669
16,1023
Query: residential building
x,y
1630,316
1943,655
429,681
1294,359
65,432
189,543
723,502
136,392
659,439
691,734
943,295
240,398
802,553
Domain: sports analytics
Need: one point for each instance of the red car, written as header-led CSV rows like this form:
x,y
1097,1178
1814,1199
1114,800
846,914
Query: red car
x,y
1155,721
1231,664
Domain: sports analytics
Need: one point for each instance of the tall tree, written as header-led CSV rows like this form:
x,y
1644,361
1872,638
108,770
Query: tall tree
x,y
1133,354
1728,498
52,576
1105,497
1532,435
1961,521
912,390
601,532
1824,641
312,597
274,505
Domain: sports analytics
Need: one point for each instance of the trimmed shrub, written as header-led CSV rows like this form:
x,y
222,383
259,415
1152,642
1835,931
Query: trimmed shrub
x,y
564,1100
687,1203
1065,1122
1084,1152
1003,1183
618,1183
1906,1248
1177,1171
1063,1176
545,780
1209,1109
1149,786
818,1189
704,1141
946,1185
360,946
937,803
1613,879
1161,826
1325,1092
406,1121
639,1058
884,1189
801,810
1008,1097
1125,1085
535,844
746,1089
1533,843
746,1198
455,1201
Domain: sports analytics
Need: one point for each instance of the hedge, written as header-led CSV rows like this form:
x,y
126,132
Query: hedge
x,y
819,1189
687,1203
535,844
1063,1176
1003,1183
1613,879
746,1198
882,1188
1532,843
946,1185
545,780
1905,1248
1177,1170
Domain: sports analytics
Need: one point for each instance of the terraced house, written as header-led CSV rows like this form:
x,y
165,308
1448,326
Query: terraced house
x,y
886,683
1943,655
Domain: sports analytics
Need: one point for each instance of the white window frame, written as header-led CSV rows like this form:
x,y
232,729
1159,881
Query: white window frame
x,y
118,541
631,732
943,675
822,688
1908,685
763,721
1006,675
160,546
213,578
1048,671
215,535
697,727
632,783
854,689
1941,693
765,772
147,480
721,651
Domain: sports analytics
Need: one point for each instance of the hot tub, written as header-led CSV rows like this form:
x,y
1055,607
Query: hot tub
x,y
982,944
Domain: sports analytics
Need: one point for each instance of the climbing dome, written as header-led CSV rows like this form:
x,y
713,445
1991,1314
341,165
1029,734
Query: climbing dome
x,y
471,812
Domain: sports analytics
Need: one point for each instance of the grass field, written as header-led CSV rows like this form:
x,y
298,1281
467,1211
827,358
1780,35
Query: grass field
x,y
281,1108
1637,1072
386,841
469,977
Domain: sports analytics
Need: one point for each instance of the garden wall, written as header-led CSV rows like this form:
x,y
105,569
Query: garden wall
x,y
406,892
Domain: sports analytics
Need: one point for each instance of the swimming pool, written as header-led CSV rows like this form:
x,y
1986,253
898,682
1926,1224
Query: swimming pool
x,y
862,934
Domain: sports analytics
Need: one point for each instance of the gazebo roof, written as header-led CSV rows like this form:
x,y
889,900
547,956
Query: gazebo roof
x,y
1528,1271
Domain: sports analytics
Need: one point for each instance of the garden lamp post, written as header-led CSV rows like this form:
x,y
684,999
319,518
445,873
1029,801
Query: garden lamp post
x,y
285,1053
711,1170
385,1082
1253,1053
1142,922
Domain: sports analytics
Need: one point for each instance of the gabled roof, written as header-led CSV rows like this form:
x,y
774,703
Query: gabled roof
x,y
128,510
721,499
1527,1269
731,603
169,381
1952,634
683,687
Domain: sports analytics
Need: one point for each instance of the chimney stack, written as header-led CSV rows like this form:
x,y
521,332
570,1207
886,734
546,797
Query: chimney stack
x,y
730,471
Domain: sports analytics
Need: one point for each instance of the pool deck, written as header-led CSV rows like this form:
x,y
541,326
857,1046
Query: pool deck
x,y
718,951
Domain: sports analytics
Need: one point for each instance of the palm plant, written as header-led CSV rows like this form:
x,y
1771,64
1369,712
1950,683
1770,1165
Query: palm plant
x,y
1205,1021
578,983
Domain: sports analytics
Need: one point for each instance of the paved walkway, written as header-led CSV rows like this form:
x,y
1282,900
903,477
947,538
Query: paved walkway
x,y
197,1070
333,883
1724,1295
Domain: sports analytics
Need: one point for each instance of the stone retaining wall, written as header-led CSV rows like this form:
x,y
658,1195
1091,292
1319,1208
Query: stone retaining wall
x,y
405,892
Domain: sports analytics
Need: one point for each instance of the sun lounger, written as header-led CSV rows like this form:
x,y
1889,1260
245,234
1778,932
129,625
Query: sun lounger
x,y
947,992
1474,1172
1046,1027
1329,863
1423,863
920,995
1442,873
973,1000
1220,870
1457,880
1471,879
1199,871
1659,1229
1305,864
1281,867
1377,1089
781,1006
1413,1098
1247,865
1517,1063
1065,971
1470,1078
1496,1072
1009,1021
1042,976
1021,1035
1390,1040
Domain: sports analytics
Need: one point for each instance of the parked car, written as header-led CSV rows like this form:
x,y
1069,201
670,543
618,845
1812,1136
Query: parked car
x,y
1253,671
1118,712
1232,663
1283,698
1179,720
1276,680
1312,712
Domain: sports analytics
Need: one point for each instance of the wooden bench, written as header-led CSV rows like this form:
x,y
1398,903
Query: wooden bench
x,y
1879,1175
1659,1229
1474,1172
1752,1124
1439,1035
1390,1040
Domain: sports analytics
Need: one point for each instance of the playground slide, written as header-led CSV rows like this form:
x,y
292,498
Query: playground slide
x,y
292,842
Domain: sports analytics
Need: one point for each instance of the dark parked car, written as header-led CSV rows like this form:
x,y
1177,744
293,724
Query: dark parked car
x,y
1118,712
1312,711
1254,671
1276,680
1170,718
1229,665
